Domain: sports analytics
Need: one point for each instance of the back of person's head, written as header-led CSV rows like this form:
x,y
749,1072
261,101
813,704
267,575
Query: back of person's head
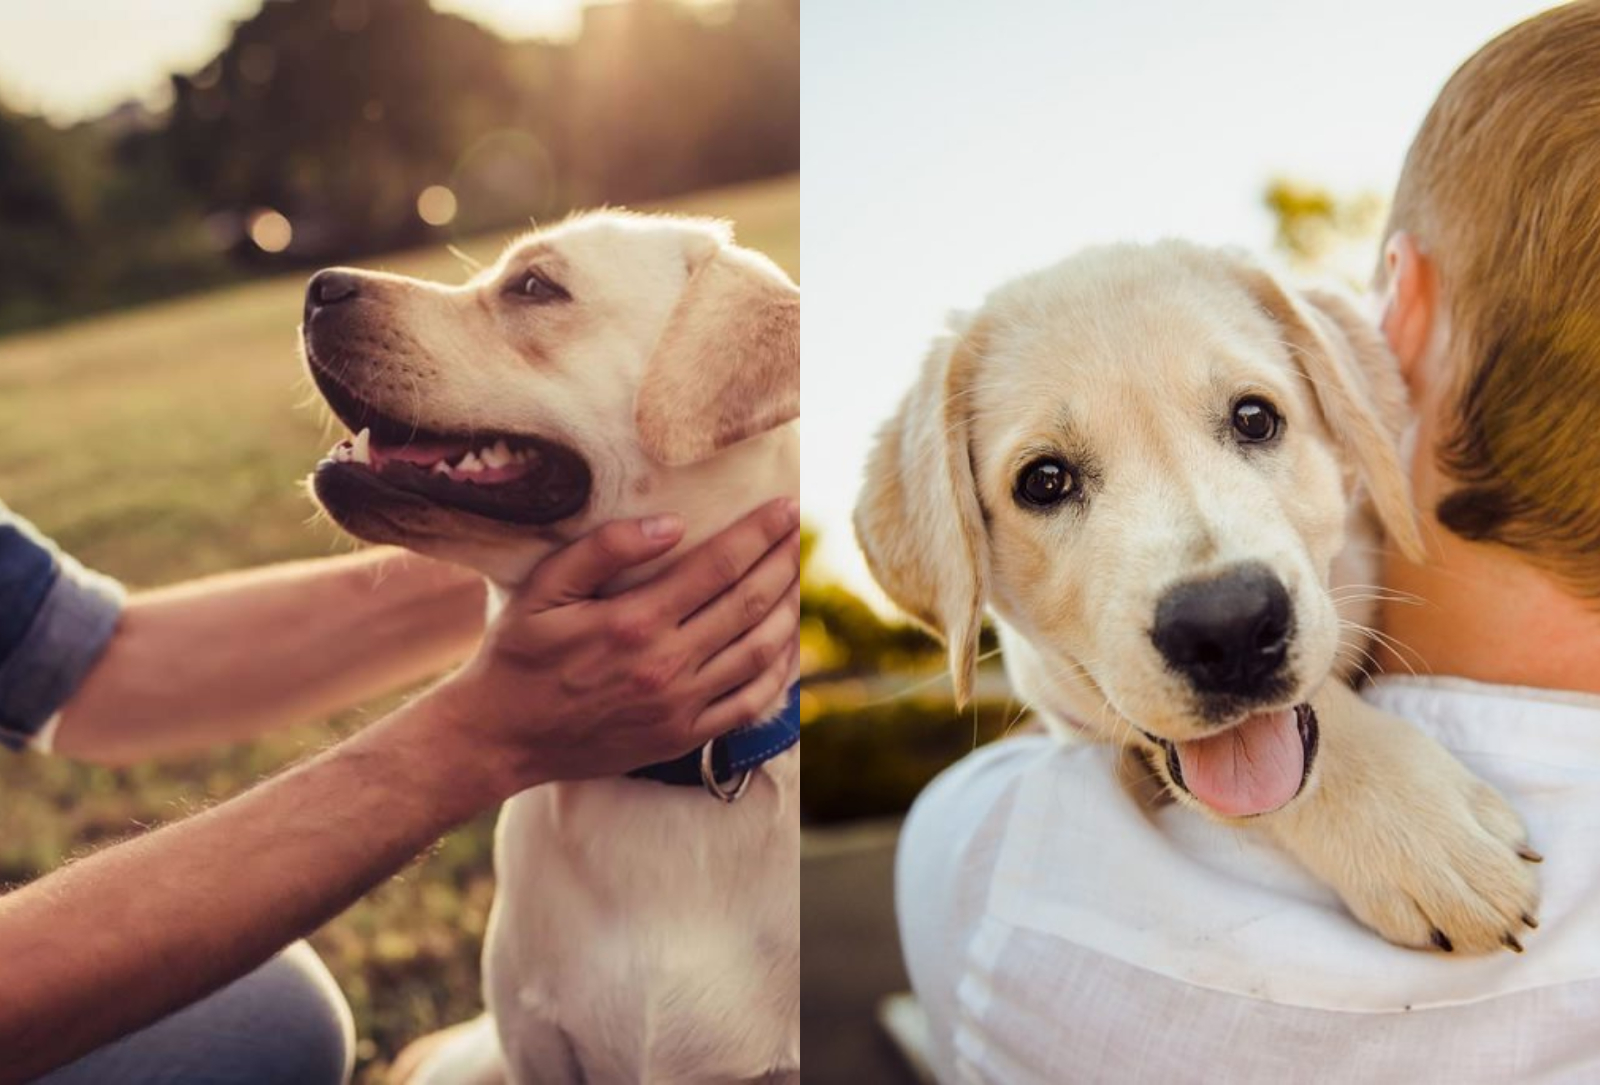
x,y
1501,190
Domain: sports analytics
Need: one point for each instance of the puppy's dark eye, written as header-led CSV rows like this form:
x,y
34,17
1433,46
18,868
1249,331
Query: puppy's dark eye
x,y
1044,483
537,287
1255,420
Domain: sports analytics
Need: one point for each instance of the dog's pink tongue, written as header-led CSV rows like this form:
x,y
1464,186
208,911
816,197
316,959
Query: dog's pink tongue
x,y
1251,768
422,453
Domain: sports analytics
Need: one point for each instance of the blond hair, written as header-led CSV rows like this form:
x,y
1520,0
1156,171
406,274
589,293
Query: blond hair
x,y
1501,189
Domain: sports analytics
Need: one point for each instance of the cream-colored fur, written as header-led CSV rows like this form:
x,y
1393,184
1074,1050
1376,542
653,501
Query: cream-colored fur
x,y
640,932
1125,362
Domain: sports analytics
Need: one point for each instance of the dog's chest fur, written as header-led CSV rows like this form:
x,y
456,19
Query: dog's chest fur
x,y
654,927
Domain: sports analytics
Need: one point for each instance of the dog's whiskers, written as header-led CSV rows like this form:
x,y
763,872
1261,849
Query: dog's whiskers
x,y
1023,709
1378,591
923,683
1394,644
471,264
1352,654
416,406
1401,650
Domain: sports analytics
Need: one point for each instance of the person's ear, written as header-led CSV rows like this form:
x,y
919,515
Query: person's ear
x,y
1409,303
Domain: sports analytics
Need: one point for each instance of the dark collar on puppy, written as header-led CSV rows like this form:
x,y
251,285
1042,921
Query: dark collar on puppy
x,y
724,764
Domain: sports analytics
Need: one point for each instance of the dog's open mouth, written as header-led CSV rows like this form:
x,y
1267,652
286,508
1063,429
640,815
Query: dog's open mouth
x,y
508,477
1253,767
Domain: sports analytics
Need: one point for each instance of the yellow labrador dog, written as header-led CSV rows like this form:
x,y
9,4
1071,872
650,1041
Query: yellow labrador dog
x,y
1168,477
613,366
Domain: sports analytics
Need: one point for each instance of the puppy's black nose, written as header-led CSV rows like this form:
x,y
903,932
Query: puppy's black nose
x,y
1228,635
331,287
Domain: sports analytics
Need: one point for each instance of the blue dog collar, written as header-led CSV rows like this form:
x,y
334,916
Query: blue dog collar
x,y
730,758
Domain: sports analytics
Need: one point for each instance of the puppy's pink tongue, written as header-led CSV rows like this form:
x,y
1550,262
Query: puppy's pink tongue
x,y
1251,768
423,453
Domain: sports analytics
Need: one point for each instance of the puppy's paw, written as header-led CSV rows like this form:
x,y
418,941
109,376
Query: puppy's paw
x,y
1420,850
1450,870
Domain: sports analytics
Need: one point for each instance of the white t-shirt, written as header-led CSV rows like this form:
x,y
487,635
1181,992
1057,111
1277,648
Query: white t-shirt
x,y
1056,931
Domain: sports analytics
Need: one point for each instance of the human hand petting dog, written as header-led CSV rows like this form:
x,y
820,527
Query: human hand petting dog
x,y
569,685
565,685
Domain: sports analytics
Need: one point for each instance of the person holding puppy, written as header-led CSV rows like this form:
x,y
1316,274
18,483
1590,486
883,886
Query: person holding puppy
x,y
1489,293
562,686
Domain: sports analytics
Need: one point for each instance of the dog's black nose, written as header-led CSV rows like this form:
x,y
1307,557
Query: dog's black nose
x,y
1228,635
331,287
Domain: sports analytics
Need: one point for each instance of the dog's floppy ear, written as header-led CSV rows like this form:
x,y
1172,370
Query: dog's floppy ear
x,y
918,519
727,367
1358,388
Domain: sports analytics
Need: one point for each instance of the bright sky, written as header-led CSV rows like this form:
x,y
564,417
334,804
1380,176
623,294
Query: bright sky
x,y
71,59
949,145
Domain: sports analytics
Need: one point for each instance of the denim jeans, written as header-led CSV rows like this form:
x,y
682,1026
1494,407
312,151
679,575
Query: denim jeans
x,y
286,1023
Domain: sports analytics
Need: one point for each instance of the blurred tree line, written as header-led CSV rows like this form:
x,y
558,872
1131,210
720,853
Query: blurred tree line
x,y
337,114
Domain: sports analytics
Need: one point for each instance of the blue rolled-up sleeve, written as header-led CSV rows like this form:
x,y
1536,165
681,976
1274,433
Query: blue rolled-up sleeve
x,y
56,618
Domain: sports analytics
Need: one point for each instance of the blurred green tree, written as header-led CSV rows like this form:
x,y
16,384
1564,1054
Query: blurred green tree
x,y
1313,226
338,114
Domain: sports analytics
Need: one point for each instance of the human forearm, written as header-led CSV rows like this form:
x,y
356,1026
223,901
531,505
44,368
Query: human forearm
x,y
225,658
566,686
123,937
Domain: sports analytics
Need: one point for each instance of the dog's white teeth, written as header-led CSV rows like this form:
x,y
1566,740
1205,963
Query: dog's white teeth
x,y
496,456
361,447
440,468
470,462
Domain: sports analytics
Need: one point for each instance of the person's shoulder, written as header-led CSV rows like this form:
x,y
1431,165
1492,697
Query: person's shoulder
x,y
949,845
955,827
974,786
1001,759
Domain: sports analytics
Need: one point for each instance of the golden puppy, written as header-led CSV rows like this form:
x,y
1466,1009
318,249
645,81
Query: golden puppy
x,y
1167,477
609,367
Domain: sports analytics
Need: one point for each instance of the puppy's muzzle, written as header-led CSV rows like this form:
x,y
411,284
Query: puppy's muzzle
x,y
1229,635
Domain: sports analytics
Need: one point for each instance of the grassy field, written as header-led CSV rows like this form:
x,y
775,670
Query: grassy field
x,y
170,441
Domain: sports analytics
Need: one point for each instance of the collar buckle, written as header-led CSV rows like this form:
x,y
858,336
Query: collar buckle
x,y
708,776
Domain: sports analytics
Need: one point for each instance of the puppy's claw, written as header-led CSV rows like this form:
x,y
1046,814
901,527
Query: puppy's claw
x,y
1440,940
1529,922
1511,943
1529,854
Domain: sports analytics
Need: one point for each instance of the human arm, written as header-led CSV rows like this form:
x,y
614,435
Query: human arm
x,y
225,658
563,686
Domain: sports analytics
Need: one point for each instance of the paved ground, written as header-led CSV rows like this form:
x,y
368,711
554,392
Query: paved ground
x,y
850,955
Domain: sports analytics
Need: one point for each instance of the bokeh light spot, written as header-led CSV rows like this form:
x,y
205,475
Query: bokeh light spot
x,y
436,205
270,230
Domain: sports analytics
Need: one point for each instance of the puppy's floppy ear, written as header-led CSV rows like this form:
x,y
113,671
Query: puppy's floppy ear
x,y
727,367
918,519
1358,387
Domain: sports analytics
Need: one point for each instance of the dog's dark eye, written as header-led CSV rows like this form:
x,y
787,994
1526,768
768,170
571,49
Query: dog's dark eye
x,y
1044,483
535,286
1255,420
